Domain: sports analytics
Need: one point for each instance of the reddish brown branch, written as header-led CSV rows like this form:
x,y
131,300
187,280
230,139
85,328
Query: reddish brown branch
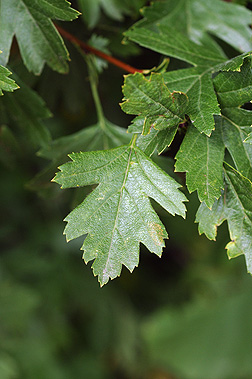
x,y
89,49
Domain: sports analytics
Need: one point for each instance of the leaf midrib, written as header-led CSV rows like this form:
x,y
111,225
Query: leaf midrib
x,y
117,212
37,25
190,53
166,109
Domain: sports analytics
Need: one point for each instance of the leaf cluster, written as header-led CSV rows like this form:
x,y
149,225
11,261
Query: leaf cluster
x,y
203,90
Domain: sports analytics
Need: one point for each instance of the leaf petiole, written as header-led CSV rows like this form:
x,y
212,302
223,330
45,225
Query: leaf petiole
x,y
133,140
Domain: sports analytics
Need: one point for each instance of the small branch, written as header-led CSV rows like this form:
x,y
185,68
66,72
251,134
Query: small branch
x,y
89,49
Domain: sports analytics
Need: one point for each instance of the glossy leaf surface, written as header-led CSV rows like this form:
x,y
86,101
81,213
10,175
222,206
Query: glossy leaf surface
x,y
235,206
195,82
6,83
118,215
202,156
202,159
153,102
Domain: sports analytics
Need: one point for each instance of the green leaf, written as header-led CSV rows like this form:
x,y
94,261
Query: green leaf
x,y
209,219
26,109
151,99
173,43
235,63
195,82
118,215
235,125
239,215
96,137
200,20
156,139
234,89
6,83
202,158
38,40
115,9
101,44
90,11
235,206
249,138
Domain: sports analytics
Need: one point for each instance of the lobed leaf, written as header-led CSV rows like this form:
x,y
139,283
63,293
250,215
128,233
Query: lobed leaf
x,y
234,64
202,159
195,82
151,99
115,9
39,42
156,139
233,90
235,206
96,137
26,109
6,83
118,215
201,20
201,156
234,132
173,43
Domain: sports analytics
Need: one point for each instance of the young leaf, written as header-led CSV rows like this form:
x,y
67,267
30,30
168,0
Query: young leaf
x,y
101,44
153,102
235,206
6,83
118,215
39,42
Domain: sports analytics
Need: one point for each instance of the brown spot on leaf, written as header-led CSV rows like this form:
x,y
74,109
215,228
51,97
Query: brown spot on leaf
x,y
157,233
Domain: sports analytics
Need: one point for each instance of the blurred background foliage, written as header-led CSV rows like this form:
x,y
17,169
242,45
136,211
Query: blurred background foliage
x,y
187,315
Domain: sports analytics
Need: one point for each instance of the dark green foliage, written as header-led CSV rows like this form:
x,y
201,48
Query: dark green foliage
x,y
137,152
